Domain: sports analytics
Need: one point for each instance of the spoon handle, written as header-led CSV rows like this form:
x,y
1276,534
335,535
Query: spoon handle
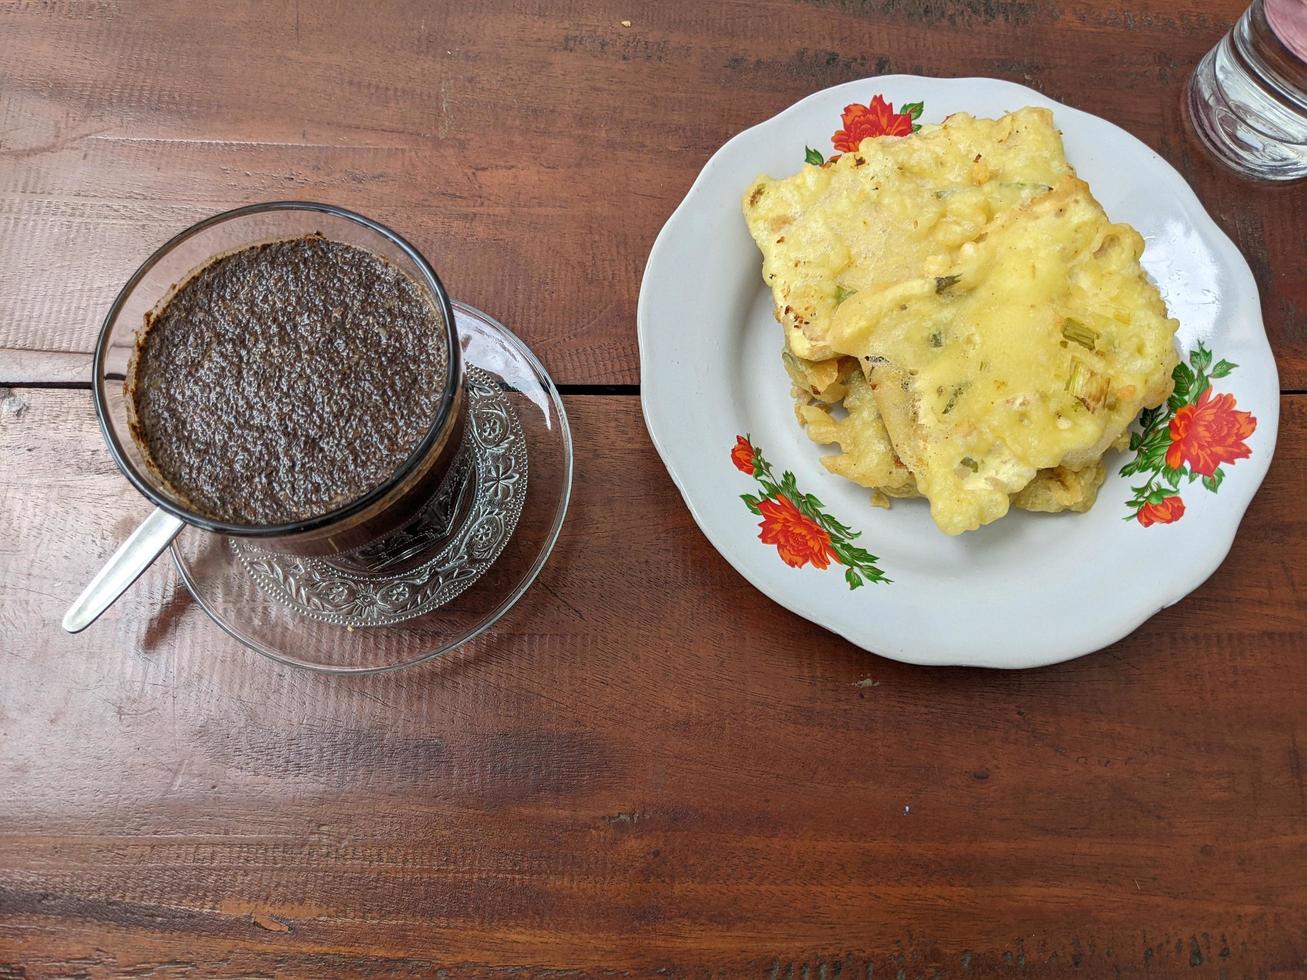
x,y
133,557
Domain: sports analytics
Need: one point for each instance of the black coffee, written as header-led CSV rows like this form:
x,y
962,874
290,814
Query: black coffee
x,y
285,380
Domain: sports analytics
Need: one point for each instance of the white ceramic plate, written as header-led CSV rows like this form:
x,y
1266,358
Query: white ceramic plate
x,y
1030,589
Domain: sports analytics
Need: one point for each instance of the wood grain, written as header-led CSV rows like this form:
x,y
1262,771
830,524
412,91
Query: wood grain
x,y
531,150
44,367
647,767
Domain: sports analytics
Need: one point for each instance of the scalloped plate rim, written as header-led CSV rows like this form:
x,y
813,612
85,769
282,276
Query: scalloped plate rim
x,y
1108,628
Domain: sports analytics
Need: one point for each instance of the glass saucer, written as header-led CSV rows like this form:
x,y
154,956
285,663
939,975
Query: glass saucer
x,y
436,584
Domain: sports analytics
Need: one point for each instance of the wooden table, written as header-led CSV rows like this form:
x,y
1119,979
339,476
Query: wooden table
x,y
648,768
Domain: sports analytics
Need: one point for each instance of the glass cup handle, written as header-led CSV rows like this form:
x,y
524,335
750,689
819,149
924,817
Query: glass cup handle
x,y
134,556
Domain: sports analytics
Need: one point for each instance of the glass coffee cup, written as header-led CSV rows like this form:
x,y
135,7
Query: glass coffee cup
x,y
351,526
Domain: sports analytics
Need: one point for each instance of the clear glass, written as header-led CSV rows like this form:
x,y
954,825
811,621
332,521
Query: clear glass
x,y
221,581
370,516
1248,97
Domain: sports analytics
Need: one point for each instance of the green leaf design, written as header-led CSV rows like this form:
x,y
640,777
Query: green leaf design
x,y
1153,451
751,502
912,109
1150,454
1184,384
1201,359
859,556
812,156
1213,482
831,524
874,574
1222,369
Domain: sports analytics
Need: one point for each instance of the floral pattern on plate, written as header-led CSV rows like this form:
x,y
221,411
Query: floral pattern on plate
x,y
876,118
1189,438
794,522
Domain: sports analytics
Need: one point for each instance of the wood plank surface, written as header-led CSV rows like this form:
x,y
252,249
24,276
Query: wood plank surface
x,y
531,150
648,767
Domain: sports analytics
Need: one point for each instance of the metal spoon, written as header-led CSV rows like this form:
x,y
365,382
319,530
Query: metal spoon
x,y
134,556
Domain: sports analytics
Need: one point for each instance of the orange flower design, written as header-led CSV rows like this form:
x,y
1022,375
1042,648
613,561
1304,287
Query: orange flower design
x,y
798,539
1170,509
1208,433
876,119
742,455
1193,435
795,523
